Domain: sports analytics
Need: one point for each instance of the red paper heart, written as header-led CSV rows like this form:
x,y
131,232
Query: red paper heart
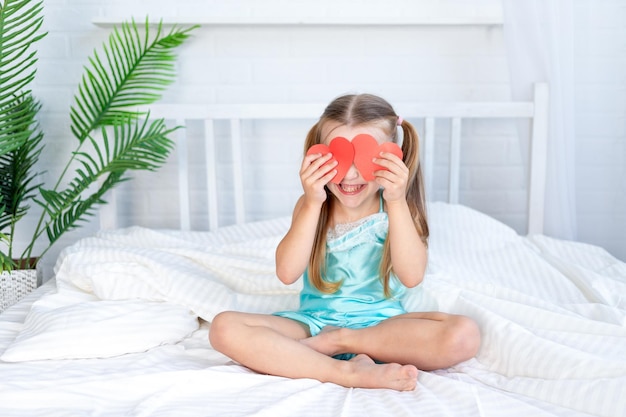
x,y
343,153
366,148
361,151
391,147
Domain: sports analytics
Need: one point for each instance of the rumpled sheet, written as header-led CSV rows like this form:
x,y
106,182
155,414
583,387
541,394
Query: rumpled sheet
x,y
552,316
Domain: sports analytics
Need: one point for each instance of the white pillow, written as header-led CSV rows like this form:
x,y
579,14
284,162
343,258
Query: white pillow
x,y
99,329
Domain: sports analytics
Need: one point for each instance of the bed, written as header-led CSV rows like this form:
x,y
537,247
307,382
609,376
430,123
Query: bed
x,y
122,329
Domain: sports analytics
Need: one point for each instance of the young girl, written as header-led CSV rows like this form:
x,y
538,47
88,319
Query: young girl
x,y
358,245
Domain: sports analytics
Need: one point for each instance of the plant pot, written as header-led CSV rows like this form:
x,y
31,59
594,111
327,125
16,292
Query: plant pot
x,y
16,284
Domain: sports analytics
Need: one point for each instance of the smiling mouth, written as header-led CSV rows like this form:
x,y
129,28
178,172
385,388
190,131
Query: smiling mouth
x,y
350,188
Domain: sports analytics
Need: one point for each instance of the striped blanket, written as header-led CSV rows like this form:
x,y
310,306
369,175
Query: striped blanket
x,y
124,331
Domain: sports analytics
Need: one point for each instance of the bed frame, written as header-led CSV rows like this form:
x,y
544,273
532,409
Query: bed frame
x,y
536,111
551,312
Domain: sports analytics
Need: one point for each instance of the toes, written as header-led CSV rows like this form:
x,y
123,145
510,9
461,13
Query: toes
x,y
411,371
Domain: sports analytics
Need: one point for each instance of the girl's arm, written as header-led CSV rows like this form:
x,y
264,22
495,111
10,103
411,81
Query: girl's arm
x,y
408,252
294,250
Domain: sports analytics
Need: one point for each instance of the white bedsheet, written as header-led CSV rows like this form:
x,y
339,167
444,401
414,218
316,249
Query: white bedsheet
x,y
552,316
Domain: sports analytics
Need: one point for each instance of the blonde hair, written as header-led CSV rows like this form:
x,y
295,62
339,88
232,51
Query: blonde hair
x,y
356,110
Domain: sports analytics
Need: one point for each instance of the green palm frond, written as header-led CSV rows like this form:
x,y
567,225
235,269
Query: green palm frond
x,y
17,119
134,72
133,145
20,21
17,181
138,146
6,263
67,213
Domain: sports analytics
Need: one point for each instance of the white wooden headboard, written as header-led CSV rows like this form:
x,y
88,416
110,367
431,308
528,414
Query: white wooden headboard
x,y
536,111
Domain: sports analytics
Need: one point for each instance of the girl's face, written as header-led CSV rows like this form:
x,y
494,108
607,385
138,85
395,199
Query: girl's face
x,y
356,196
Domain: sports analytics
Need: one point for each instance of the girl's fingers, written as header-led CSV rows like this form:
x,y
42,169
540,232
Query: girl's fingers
x,y
329,176
391,162
317,171
323,170
393,178
395,170
312,163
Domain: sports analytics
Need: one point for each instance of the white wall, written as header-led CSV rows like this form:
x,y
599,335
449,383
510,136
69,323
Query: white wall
x,y
600,33
401,60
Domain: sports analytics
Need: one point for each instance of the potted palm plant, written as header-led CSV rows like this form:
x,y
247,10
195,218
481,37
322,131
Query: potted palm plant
x,y
112,137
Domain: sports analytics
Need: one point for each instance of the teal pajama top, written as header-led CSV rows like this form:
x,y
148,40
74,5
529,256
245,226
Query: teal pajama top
x,y
353,255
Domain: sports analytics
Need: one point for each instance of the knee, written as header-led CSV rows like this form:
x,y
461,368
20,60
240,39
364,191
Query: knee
x,y
463,339
220,329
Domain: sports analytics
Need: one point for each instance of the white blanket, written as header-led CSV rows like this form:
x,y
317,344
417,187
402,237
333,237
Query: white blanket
x,y
121,334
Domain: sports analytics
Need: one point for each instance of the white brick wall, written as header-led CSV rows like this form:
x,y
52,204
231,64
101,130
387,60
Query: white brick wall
x,y
304,63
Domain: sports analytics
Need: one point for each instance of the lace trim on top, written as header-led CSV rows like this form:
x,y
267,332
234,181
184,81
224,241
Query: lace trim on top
x,y
342,228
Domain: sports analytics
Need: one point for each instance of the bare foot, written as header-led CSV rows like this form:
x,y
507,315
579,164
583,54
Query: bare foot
x,y
368,374
326,341
361,371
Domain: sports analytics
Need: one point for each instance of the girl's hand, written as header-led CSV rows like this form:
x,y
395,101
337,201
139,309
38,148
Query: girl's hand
x,y
315,173
394,179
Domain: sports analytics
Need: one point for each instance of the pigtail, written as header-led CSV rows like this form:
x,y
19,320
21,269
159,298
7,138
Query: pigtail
x,y
415,194
415,197
317,261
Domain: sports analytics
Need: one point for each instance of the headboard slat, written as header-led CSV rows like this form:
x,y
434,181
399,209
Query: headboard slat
x,y
536,111
239,201
428,154
183,176
538,160
455,162
210,157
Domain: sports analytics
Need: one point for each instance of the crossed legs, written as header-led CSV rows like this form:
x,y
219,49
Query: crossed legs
x,y
427,340
283,347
